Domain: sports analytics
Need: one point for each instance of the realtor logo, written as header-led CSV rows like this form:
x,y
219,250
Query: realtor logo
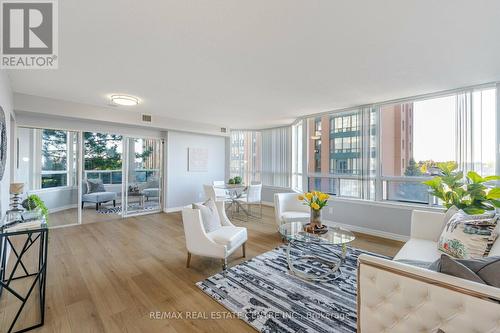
x,y
29,34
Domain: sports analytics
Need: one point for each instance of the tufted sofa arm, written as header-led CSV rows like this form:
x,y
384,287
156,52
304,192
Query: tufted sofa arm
x,y
395,297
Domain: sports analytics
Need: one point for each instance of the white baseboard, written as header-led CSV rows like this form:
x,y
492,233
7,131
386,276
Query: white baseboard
x,y
58,209
369,231
172,209
268,203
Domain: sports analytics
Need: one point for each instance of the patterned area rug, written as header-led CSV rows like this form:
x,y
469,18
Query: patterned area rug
x,y
262,292
118,209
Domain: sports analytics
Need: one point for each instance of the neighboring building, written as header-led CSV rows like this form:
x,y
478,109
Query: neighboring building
x,y
397,138
341,155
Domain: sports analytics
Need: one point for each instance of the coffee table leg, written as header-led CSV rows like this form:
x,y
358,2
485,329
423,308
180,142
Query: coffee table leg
x,y
327,276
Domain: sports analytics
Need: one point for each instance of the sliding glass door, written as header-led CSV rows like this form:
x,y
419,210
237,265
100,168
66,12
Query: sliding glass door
x,y
143,180
102,177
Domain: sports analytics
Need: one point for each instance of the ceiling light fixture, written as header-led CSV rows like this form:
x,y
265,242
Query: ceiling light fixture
x,y
124,100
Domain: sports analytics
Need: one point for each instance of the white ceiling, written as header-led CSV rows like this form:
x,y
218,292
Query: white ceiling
x,y
254,64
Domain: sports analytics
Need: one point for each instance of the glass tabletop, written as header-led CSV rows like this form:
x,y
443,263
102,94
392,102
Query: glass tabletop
x,y
230,186
334,235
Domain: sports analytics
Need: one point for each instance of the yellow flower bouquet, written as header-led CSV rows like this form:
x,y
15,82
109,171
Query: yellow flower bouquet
x,y
316,200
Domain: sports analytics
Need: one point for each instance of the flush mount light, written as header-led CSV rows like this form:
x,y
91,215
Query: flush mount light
x,y
125,100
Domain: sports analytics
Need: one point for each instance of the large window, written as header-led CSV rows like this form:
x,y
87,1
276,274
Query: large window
x,y
276,157
416,135
262,156
245,156
346,165
54,152
103,157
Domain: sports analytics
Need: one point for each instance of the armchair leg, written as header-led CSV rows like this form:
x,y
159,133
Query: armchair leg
x,y
244,248
188,260
83,204
224,264
114,203
97,206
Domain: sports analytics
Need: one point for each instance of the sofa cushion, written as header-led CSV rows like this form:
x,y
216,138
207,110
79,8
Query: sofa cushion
x,y
419,249
468,236
99,197
484,270
229,236
209,215
94,186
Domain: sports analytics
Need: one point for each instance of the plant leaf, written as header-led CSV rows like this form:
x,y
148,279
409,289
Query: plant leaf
x,y
490,178
471,210
434,182
494,193
495,203
475,177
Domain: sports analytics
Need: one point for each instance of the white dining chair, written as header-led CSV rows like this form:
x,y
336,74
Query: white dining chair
x,y
253,197
220,192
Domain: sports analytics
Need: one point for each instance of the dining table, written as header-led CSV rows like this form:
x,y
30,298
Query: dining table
x,y
234,192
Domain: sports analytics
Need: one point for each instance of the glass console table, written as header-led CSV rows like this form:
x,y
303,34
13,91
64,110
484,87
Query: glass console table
x,y
294,233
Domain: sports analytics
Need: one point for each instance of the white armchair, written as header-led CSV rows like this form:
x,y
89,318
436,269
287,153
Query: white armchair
x,y
220,243
287,208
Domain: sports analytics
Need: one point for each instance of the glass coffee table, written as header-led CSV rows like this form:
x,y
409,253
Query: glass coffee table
x,y
294,233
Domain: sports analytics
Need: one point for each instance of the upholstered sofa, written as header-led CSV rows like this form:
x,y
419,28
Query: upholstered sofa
x,y
398,297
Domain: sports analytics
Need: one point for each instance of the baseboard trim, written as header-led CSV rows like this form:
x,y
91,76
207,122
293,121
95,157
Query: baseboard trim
x,y
58,209
173,209
369,231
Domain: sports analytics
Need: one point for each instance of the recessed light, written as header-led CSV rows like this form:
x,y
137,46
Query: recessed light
x,y
124,100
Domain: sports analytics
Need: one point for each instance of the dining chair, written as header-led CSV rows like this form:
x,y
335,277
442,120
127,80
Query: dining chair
x,y
220,192
253,197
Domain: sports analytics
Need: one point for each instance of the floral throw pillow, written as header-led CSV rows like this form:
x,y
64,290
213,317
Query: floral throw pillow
x,y
468,236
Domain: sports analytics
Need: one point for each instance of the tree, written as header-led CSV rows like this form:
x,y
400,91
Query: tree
x,y
101,151
413,169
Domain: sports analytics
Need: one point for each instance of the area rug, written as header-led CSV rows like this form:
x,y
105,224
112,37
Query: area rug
x,y
262,293
118,209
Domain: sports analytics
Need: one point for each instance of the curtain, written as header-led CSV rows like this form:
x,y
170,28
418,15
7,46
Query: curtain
x,y
368,152
277,156
463,130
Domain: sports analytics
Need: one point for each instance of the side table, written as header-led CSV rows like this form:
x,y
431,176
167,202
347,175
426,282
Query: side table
x,y
15,242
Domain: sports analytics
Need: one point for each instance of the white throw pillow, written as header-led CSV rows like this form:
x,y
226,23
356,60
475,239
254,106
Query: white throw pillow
x,y
468,236
209,215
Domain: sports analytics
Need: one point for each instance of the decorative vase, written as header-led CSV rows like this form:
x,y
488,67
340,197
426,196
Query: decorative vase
x,y
315,219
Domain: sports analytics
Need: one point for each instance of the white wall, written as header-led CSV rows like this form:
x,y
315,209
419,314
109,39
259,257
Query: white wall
x,y
6,104
184,187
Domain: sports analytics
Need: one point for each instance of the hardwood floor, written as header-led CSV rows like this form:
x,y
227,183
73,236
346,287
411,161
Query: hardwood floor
x,y
110,276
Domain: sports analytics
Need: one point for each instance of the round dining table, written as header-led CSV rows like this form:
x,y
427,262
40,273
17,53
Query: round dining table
x,y
234,192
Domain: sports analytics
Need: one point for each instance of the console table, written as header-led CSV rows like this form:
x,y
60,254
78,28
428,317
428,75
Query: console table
x,y
15,242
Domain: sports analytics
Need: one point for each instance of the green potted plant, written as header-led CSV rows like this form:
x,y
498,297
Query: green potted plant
x,y
33,202
468,193
237,180
231,181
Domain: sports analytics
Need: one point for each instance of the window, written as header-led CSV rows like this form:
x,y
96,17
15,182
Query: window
x,y
46,158
456,127
103,157
54,152
245,155
276,157
344,175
